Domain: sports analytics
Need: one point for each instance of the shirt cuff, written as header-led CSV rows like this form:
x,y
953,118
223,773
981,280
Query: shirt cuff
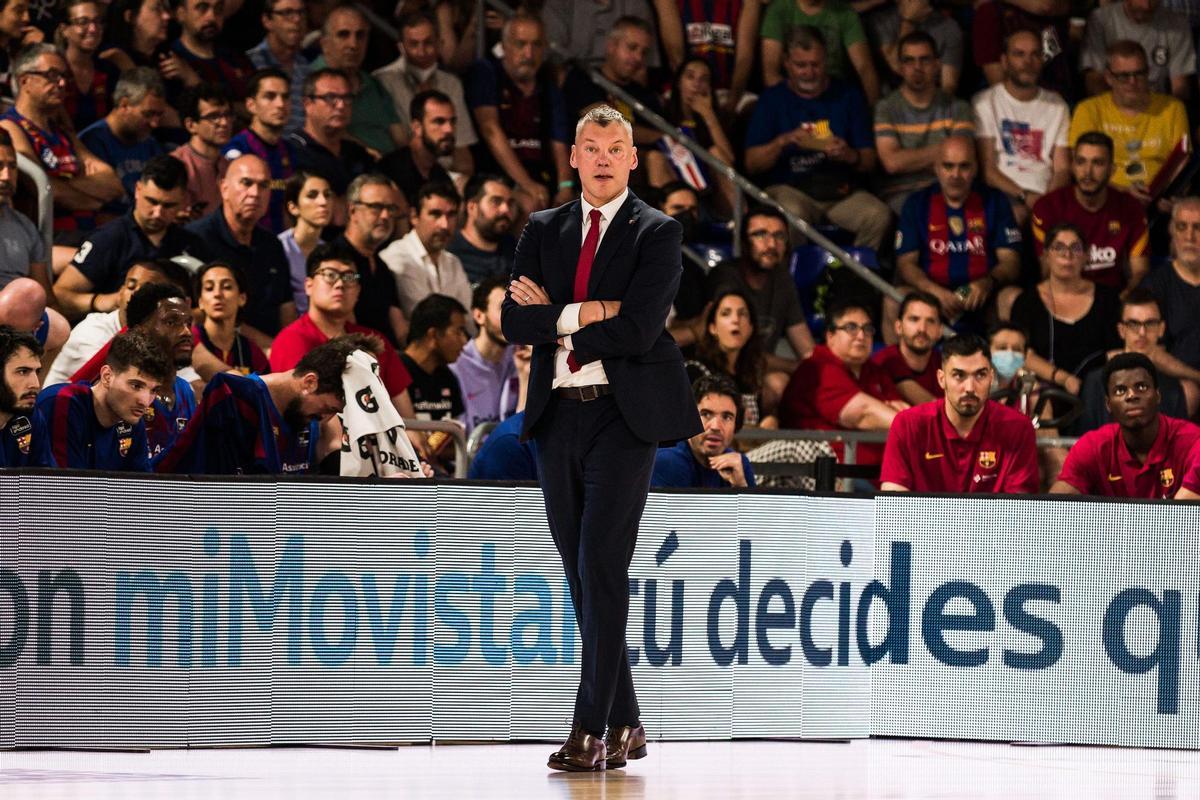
x,y
566,343
568,320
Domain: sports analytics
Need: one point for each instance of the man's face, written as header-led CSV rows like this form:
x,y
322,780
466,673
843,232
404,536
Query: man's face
x,y
1128,78
850,337
155,209
450,341
329,107
524,50
287,22
373,217
420,45
246,189
967,381
492,216
171,324
1141,327
272,105
680,202
434,222
21,382
1140,11
143,117
604,157
955,169
489,321
1185,235
1023,60
768,240
436,128
202,19
333,288
312,406
14,19
1091,167
46,83
345,42
806,71
919,327
1132,398
135,278
129,393
919,66
718,415
626,52
8,174
214,126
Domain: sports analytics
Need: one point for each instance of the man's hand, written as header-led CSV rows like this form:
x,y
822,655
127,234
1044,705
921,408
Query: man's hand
x,y
525,292
977,294
952,305
729,467
593,311
539,195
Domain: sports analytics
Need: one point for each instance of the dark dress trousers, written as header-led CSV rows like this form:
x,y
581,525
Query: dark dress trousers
x,y
595,457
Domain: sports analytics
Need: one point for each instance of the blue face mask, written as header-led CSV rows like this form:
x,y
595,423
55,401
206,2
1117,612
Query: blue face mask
x,y
1007,363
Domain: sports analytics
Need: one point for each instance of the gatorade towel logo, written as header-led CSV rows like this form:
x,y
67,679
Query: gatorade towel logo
x,y
366,401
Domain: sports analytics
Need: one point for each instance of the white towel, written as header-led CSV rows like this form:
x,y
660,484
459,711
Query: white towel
x,y
373,437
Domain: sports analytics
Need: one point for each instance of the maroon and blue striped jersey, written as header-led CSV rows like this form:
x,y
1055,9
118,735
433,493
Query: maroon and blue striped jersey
x,y
66,415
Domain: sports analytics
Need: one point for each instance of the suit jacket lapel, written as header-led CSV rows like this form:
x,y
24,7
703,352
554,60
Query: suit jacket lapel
x,y
622,222
570,240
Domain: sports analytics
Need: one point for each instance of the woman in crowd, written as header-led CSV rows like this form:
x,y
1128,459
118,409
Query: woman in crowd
x,y
220,292
730,345
308,198
80,34
691,108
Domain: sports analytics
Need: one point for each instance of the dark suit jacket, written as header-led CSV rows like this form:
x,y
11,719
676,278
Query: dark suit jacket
x,y
639,263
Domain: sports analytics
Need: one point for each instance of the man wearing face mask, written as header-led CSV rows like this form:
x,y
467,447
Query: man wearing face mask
x,y
681,203
964,443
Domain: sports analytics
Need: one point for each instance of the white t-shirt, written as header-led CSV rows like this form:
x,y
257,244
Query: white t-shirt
x,y
1025,133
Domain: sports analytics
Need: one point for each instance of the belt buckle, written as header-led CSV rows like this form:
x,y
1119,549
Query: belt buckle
x,y
593,390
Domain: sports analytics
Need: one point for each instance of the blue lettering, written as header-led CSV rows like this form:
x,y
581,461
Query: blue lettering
x,y
540,619
1166,652
453,618
817,590
767,620
740,592
935,622
896,598
1044,629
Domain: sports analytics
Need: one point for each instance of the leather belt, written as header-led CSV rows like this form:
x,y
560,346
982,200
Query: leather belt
x,y
584,393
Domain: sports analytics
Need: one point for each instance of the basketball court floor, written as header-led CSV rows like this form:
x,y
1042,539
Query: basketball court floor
x,y
872,768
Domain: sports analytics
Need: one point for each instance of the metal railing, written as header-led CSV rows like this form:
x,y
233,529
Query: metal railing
x,y
45,199
462,459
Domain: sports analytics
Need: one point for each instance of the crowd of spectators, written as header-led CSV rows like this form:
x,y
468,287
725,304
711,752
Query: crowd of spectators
x,y
246,191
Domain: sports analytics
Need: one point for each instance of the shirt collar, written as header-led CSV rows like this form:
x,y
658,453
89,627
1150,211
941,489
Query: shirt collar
x,y
417,247
1158,450
608,210
976,433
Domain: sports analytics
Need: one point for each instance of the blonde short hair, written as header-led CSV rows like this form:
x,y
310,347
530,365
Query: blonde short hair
x,y
603,115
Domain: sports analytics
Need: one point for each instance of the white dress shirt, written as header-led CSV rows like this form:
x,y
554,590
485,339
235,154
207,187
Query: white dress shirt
x,y
418,275
568,322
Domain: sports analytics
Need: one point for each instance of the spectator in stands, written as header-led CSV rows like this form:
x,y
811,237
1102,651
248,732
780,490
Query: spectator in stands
x,y
24,307
374,214
1149,130
1112,221
221,296
838,28
1163,34
707,461
207,60
504,457
285,23
208,119
1021,129
25,253
139,31
268,99
308,198
82,31
1142,453
730,346
812,137
417,71
15,34
762,274
435,340
970,444
234,236
124,138
21,362
838,388
92,280
484,244
521,117
1176,285
692,108
686,320
485,369
578,29
892,25
419,162
726,36
913,362
1008,344
1050,20
103,426
1071,321
911,122
373,118
268,424
420,262
81,183
956,241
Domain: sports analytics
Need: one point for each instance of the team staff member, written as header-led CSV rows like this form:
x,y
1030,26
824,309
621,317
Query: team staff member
x,y
706,461
965,442
21,360
103,426
1143,453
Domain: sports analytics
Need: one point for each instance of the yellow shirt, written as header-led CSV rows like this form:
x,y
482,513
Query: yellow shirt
x,y
1141,142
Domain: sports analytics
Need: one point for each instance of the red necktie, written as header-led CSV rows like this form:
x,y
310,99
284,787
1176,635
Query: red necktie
x,y
583,270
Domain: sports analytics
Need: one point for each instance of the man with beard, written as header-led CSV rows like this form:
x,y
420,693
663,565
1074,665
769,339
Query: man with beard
x,y
1142,453
21,360
913,362
1176,285
267,424
434,122
1112,222
707,461
964,443
200,23
269,104
102,426
92,281
124,138
485,369
484,244
1021,129
374,216
285,23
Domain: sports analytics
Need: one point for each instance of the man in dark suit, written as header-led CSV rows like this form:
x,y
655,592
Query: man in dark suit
x,y
592,284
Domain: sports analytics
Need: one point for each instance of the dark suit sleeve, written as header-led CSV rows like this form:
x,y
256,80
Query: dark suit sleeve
x,y
645,305
529,324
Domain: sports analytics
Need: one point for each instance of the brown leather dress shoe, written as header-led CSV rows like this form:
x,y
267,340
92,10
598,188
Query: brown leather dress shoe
x,y
625,742
582,752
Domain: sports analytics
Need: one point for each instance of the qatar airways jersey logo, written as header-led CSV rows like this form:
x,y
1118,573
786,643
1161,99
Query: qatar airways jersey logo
x,y
971,245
